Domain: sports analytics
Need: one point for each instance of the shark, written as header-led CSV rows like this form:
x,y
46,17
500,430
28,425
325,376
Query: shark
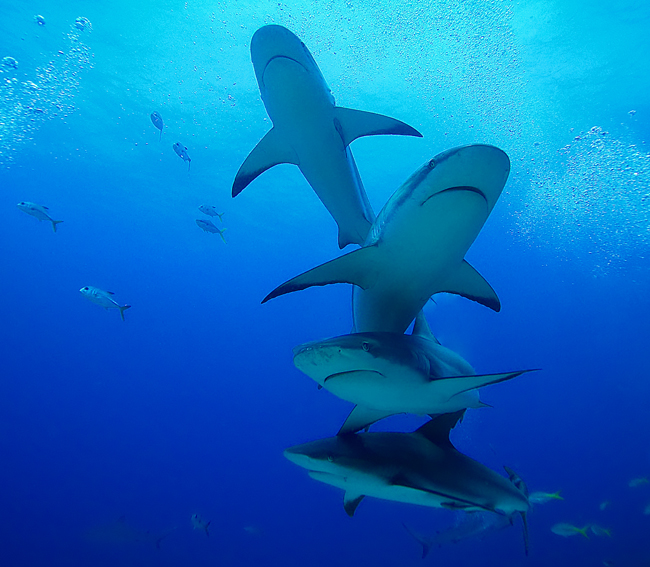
x,y
310,131
417,245
422,467
389,373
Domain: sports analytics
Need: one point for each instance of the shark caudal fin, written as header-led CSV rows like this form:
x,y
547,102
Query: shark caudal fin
x,y
360,267
123,308
424,542
54,223
521,486
468,283
271,150
352,124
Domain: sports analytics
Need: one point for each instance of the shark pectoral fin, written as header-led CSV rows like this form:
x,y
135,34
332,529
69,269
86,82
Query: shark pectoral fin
x,y
359,267
353,124
462,384
350,502
361,417
271,150
467,282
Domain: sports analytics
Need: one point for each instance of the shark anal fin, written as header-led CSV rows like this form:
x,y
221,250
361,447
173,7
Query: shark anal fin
x,y
350,502
271,150
358,268
362,417
467,282
353,124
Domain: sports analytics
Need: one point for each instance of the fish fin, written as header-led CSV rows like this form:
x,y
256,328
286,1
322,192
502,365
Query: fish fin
x,y
319,386
350,502
206,528
43,206
222,236
453,505
426,545
110,292
526,540
359,267
421,328
437,430
123,308
471,382
220,215
467,282
353,124
361,417
54,223
271,150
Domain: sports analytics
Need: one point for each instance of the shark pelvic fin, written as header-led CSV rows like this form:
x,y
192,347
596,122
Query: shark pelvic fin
x,y
467,282
353,124
362,417
437,430
271,150
350,502
359,267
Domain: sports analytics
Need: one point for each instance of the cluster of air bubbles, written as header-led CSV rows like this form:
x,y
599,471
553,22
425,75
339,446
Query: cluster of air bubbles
x,y
40,20
596,204
24,105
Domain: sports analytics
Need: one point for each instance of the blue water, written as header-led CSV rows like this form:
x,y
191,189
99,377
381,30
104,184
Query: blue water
x,y
187,406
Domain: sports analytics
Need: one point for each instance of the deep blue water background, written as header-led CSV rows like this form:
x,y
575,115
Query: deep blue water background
x,y
187,406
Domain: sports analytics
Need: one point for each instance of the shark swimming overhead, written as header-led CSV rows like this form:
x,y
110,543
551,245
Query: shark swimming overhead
x,y
389,373
310,131
417,245
421,468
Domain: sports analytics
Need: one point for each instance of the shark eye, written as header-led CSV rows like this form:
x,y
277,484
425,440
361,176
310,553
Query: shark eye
x,y
432,164
365,346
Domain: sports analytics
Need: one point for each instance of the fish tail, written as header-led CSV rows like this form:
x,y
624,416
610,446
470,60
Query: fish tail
x,y
54,223
220,215
583,531
556,495
206,528
123,308
222,236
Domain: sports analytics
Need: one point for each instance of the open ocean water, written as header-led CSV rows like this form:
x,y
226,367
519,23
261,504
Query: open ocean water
x,y
113,434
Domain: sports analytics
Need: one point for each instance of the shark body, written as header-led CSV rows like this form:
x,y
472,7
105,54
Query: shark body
x,y
421,468
310,131
417,245
389,373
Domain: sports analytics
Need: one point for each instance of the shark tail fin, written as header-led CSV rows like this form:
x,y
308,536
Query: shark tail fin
x,y
524,519
206,528
426,545
222,236
54,223
123,308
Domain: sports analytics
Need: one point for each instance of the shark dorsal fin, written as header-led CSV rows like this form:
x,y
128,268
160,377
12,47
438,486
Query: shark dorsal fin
x,y
437,430
421,328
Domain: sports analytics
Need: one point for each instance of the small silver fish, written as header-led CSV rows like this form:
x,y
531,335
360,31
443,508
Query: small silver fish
x,y
158,122
211,211
181,152
103,298
208,226
40,20
199,524
38,211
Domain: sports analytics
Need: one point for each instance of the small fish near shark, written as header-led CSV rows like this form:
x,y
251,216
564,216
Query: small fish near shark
x,y
211,211
416,247
389,373
208,226
421,468
103,299
181,152
38,211
310,131
158,122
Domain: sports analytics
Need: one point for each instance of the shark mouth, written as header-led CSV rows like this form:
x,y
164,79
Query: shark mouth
x,y
281,57
337,374
468,188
